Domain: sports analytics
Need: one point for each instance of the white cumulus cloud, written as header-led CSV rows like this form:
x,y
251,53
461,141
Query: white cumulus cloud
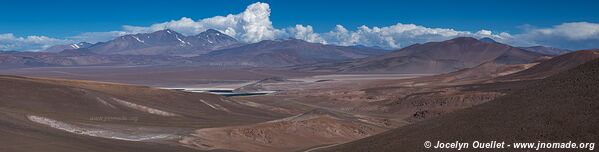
x,y
254,24
575,35
10,42
304,33
251,25
394,36
572,31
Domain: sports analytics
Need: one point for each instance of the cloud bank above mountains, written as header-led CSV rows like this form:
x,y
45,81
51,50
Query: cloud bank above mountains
x,y
9,41
254,25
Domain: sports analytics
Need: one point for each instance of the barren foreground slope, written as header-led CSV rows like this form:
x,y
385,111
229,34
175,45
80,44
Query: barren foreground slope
x,y
560,108
63,115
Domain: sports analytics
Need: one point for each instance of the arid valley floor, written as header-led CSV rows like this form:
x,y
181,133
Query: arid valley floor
x,y
127,108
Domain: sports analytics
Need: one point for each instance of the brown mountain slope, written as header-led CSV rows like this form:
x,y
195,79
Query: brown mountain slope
x,y
18,134
436,57
88,98
63,115
485,71
560,108
554,65
480,73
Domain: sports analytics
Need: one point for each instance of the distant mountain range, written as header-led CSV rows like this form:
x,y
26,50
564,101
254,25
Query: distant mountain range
x,y
285,53
165,42
207,48
435,57
546,50
168,42
74,58
215,48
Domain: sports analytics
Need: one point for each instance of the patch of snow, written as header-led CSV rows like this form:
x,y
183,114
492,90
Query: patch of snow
x,y
182,42
136,38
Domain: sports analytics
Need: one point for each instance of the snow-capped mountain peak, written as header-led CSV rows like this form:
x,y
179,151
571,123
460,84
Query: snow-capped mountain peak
x,y
166,42
59,48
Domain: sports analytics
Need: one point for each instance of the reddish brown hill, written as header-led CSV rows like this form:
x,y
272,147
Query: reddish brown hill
x,y
560,108
436,57
554,65
480,73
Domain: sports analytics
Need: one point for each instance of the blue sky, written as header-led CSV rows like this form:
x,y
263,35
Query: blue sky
x,y
62,19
